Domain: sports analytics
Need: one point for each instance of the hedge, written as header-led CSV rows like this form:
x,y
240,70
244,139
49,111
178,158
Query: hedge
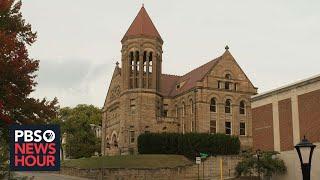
x,y
189,144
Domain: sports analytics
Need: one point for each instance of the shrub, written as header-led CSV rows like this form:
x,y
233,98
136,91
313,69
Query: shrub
x,y
189,144
267,165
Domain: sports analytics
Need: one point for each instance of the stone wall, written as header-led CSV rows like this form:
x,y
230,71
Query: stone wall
x,y
210,169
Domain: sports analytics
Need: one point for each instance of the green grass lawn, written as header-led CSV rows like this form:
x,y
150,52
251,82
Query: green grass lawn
x,y
129,161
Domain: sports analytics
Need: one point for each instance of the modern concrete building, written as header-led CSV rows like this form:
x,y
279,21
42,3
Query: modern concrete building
x,y
281,117
213,98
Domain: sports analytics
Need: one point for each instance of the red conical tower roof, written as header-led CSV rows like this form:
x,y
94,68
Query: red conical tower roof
x,y
142,25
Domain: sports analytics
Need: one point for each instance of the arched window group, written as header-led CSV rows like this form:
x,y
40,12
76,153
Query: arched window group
x,y
227,106
141,68
228,83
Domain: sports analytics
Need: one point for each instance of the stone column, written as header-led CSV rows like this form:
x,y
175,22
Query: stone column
x,y
276,129
154,71
141,70
125,70
147,69
135,70
295,118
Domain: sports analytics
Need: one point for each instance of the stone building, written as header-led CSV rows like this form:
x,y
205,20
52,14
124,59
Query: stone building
x,y
213,98
281,117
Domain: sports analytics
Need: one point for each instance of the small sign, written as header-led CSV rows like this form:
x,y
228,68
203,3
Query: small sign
x,y
198,160
204,155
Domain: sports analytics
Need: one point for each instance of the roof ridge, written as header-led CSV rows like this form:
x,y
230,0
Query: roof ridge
x,y
193,76
202,65
171,75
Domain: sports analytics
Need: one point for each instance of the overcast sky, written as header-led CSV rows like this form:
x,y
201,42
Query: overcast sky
x,y
275,42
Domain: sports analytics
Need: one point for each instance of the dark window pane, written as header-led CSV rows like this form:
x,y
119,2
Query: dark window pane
x,y
213,105
227,85
242,107
212,126
228,127
242,128
165,113
228,106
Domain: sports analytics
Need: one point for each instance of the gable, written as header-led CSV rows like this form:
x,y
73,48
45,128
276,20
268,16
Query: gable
x,y
115,88
228,65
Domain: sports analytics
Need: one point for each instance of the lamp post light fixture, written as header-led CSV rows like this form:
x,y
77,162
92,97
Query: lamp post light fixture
x,y
305,151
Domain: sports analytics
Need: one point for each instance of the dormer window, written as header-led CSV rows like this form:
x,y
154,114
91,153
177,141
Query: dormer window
x,y
179,85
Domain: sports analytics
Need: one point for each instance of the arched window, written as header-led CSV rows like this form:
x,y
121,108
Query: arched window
x,y
183,109
213,105
131,61
114,140
108,143
242,108
138,66
227,107
137,55
137,60
145,61
150,62
228,76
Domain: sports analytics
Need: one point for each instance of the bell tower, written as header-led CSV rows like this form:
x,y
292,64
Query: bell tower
x,y
141,54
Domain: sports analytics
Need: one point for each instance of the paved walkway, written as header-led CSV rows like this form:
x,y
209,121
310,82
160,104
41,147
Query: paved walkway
x,y
47,176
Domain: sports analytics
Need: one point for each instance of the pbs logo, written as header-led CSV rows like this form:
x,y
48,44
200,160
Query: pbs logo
x,y
35,136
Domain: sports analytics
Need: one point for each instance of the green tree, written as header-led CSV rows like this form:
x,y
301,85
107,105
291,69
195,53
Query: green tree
x,y
17,77
4,155
75,126
267,164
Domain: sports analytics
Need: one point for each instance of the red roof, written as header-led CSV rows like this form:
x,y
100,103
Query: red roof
x,y
168,83
142,25
187,81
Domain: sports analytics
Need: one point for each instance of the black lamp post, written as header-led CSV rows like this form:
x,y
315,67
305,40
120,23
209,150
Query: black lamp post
x,y
305,151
